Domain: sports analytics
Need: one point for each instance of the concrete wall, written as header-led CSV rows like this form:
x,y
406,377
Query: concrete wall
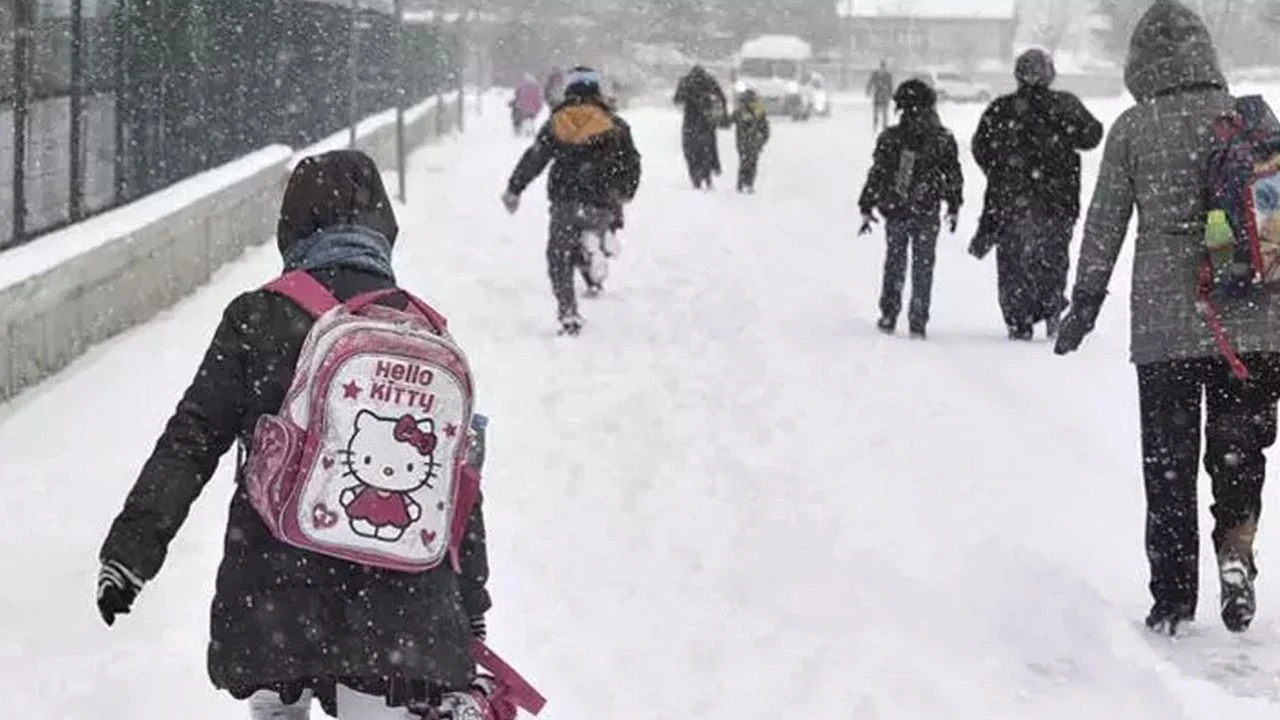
x,y
65,292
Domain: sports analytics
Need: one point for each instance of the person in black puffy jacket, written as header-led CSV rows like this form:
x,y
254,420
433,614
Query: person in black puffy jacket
x,y
595,171
916,169
287,624
1028,144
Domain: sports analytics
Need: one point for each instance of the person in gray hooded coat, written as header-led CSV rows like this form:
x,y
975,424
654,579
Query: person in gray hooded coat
x,y
1156,160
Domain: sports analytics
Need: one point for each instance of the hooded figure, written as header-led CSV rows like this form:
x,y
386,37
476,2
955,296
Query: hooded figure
x,y
705,109
1154,161
287,624
595,170
1028,144
916,168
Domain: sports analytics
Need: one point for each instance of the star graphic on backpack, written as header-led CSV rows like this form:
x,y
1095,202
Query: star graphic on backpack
x,y
351,391
451,430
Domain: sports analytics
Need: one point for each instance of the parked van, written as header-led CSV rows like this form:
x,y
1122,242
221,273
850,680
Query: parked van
x,y
777,68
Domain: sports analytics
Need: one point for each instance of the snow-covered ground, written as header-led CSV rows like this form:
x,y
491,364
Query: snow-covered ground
x,y
730,498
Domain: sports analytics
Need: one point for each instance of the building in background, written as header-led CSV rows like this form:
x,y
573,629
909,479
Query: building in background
x,y
968,35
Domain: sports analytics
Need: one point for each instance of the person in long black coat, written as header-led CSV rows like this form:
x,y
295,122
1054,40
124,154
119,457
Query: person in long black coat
x,y
284,620
1028,144
705,110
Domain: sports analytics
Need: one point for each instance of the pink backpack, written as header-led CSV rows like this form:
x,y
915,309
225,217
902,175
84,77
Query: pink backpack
x,y
366,459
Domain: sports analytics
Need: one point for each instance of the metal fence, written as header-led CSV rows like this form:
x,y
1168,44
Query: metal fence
x,y
103,101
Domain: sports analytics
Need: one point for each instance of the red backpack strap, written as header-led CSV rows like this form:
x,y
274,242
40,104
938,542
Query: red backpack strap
x,y
1214,321
363,300
515,686
306,291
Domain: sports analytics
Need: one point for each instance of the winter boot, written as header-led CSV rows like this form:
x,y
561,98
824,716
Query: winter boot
x,y
1166,618
887,325
1236,574
1022,334
918,333
570,324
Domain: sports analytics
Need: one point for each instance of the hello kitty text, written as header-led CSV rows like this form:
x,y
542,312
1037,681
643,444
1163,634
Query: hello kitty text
x,y
394,390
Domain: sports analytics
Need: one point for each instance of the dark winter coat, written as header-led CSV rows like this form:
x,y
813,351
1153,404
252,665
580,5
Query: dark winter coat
x,y
284,618
593,159
705,107
751,128
1154,161
915,169
1028,144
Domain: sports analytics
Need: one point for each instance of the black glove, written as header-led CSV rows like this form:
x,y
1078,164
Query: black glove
x,y
478,629
953,219
1079,322
118,587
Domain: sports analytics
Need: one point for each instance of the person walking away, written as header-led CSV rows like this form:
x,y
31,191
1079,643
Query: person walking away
x,y
1028,144
595,170
915,169
553,88
1155,159
527,104
704,111
752,134
880,90
290,624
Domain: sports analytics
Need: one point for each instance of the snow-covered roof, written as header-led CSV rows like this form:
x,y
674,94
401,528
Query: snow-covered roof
x,y
780,47
935,9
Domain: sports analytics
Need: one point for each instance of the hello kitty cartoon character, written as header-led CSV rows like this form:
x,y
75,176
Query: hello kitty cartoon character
x,y
390,458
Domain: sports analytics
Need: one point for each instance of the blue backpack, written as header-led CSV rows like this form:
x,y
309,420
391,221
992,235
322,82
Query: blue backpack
x,y
1242,229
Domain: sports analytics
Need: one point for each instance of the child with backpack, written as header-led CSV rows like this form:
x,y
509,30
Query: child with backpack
x,y
752,134
1191,159
354,567
916,168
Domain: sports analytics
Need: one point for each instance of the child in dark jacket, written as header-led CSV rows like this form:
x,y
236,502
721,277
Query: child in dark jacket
x,y
595,171
288,625
752,130
916,168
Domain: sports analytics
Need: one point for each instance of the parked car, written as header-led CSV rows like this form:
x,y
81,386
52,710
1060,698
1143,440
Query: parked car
x,y
956,87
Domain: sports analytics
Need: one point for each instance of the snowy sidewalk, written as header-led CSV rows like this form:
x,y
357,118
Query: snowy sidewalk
x,y
729,498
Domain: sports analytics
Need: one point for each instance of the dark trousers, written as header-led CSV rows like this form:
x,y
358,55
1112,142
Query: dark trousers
x,y
879,115
920,235
1032,262
1240,425
701,153
748,164
565,250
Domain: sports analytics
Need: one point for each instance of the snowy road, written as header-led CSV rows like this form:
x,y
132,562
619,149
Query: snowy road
x,y
730,498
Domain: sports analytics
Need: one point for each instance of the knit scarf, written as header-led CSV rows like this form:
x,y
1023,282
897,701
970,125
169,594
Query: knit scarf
x,y
350,246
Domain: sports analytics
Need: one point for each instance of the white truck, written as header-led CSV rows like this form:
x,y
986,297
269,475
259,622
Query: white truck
x,y
777,68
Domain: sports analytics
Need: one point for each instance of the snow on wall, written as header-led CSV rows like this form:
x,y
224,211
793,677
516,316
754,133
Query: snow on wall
x,y
63,293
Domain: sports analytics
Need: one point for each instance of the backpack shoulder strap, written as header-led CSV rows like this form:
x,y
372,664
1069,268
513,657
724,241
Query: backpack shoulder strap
x,y
300,287
438,321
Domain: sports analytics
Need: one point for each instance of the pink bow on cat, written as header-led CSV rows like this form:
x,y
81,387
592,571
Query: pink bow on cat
x,y
407,431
